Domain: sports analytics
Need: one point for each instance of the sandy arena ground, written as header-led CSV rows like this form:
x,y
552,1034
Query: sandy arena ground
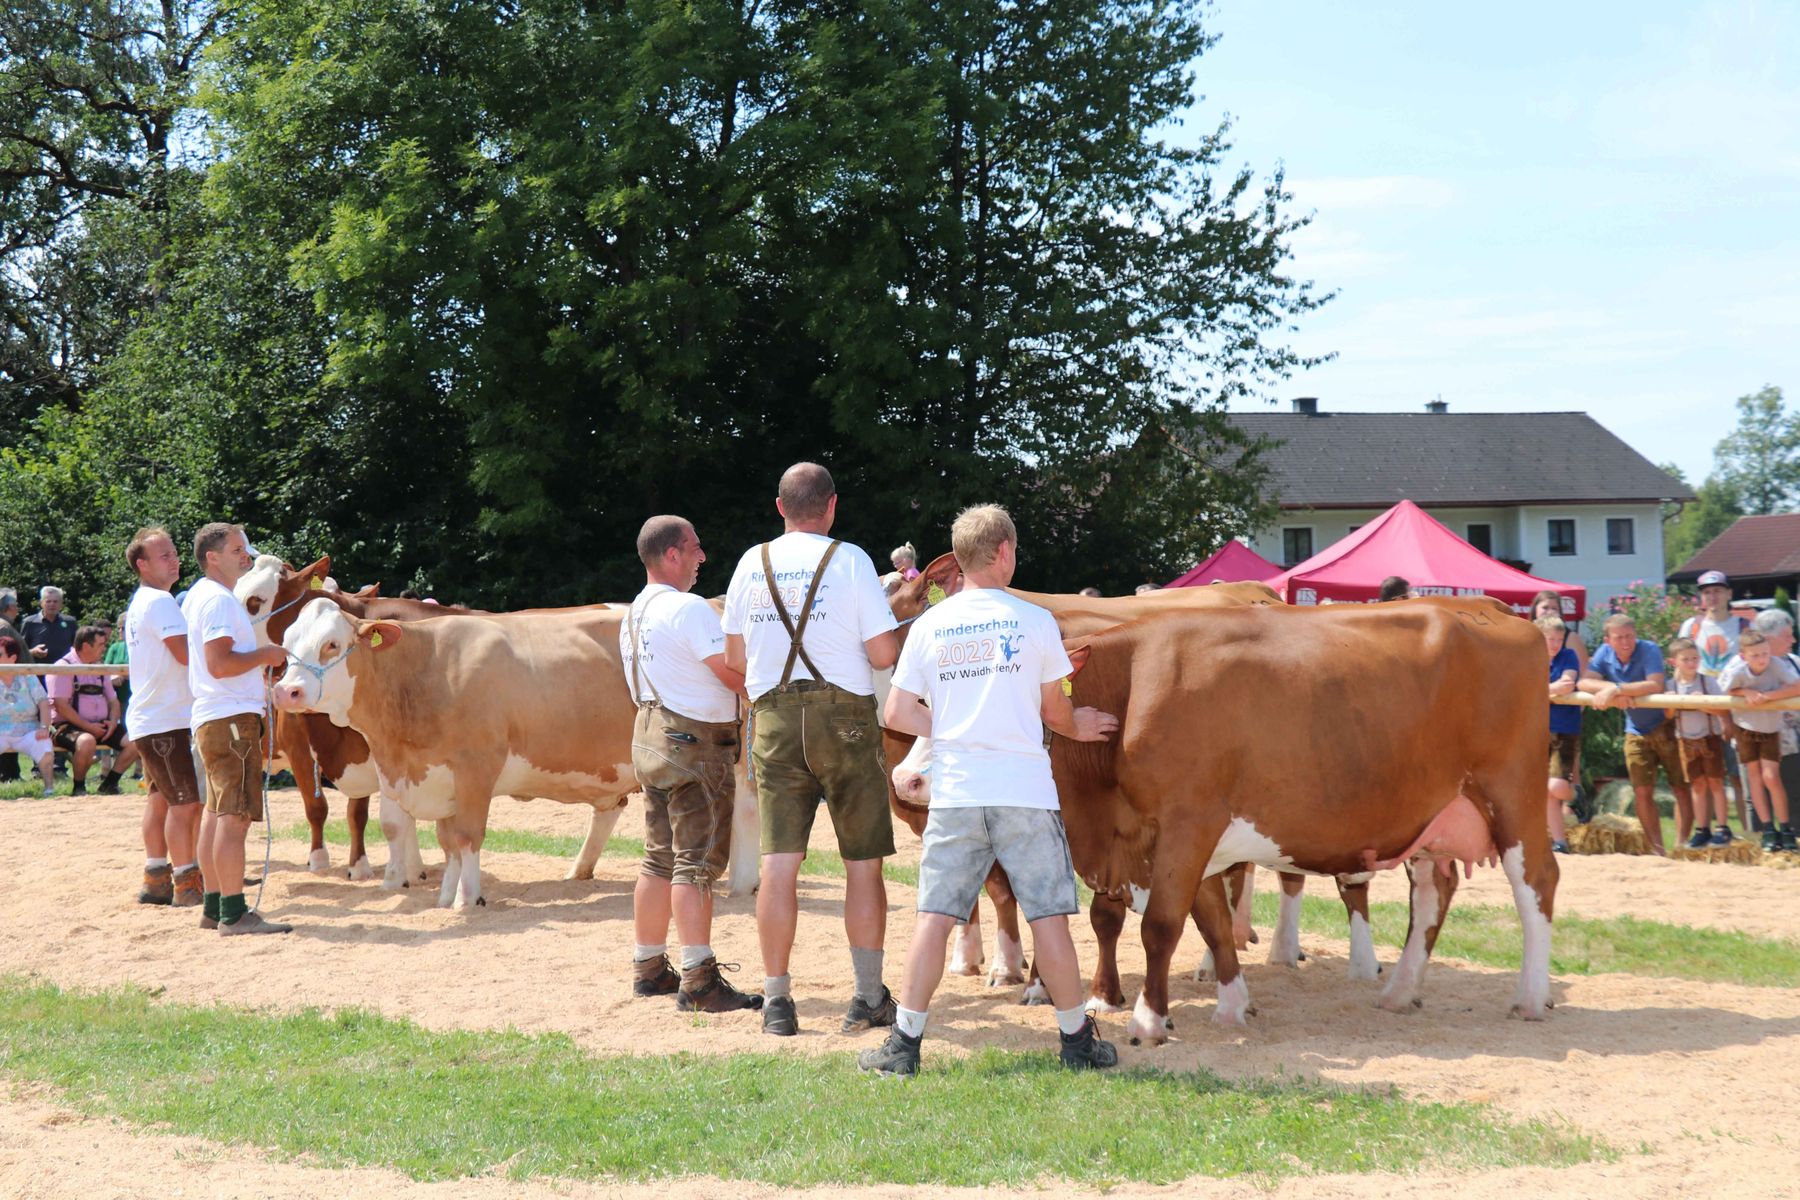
x,y
1682,1077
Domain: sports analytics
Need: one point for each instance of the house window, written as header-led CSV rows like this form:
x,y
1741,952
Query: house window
x,y
1482,538
1562,536
1621,535
1296,544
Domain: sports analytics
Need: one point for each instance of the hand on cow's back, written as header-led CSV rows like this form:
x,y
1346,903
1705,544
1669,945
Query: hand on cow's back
x,y
1092,725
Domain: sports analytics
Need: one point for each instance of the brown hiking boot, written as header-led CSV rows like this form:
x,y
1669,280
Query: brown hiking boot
x,y
188,889
159,885
250,923
655,977
703,989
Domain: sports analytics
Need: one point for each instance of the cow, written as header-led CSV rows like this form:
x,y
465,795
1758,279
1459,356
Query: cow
x,y
459,709
1338,741
310,743
909,792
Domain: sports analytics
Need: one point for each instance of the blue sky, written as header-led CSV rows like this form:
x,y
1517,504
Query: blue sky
x,y
1533,207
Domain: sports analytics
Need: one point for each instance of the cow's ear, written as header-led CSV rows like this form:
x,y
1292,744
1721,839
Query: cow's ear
x,y
378,635
369,593
318,570
1078,657
944,572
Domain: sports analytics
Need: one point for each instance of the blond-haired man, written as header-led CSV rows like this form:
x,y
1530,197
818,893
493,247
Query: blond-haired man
x,y
991,667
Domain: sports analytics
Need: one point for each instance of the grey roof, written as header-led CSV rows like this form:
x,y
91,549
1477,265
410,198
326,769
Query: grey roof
x,y
1372,460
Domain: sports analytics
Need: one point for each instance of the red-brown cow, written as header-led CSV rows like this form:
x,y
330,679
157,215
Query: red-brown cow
x,y
1324,742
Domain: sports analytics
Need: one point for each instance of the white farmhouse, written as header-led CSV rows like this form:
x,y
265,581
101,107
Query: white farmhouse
x,y
1553,493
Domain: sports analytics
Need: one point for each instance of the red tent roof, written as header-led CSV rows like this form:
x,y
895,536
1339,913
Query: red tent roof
x,y
1409,542
1230,563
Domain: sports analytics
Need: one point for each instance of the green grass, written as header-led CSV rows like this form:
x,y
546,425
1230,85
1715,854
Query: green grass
x,y
31,788
1489,934
355,1089
822,863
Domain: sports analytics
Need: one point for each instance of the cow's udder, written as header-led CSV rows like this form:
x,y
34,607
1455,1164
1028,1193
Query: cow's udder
x,y
1458,834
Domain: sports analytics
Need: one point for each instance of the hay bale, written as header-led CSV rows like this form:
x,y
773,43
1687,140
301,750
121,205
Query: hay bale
x,y
1608,834
1741,852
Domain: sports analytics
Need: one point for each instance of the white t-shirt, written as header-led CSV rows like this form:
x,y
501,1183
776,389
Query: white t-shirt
x,y
679,632
212,612
160,699
982,658
850,608
1717,641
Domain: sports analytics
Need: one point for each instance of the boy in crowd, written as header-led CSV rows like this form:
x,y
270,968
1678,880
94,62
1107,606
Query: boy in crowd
x,y
1618,673
991,667
1758,677
1701,739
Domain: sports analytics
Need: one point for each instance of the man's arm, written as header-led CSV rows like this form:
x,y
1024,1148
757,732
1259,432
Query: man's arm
x,y
883,650
721,667
178,648
222,662
1077,724
1565,684
906,713
734,653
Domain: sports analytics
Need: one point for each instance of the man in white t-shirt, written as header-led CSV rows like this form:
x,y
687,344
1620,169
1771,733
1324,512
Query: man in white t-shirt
x,y
156,648
684,748
991,667
225,676
807,623
1713,630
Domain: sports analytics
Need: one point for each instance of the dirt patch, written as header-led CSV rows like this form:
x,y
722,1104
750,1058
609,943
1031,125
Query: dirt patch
x,y
1687,1070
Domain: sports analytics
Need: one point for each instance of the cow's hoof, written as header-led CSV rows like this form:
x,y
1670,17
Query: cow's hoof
x,y
319,861
1148,1025
1399,1006
481,902
1101,1004
578,871
361,870
1222,1017
1008,979
1526,1012
1036,994
969,969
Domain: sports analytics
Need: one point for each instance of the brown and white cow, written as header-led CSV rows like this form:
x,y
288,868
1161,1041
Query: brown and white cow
x,y
1338,742
310,744
459,709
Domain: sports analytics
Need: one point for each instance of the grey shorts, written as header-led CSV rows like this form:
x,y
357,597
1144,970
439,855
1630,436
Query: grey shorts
x,y
961,844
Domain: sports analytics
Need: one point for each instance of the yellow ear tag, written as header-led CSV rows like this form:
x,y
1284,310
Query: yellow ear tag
x,y
374,640
315,585
1068,686
933,593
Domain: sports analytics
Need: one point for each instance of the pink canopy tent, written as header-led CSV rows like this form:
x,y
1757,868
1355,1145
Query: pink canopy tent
x,y
1230,563
1409,542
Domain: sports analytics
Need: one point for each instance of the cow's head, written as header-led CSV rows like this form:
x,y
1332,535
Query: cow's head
x,y
914,596
320,644
272,593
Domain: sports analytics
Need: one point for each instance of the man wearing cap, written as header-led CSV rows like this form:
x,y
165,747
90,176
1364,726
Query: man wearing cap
x,y
807,623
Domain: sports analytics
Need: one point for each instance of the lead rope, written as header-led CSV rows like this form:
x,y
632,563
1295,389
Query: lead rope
x,y
268,817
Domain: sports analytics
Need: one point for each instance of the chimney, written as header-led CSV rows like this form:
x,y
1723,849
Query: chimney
x,y
1440,405
1306,405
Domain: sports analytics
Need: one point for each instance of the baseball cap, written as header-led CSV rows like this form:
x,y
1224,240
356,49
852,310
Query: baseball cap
x,y
1713,579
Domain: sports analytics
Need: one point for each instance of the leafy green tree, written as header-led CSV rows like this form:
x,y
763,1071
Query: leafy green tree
x,y
94,95
1759,460
1712,511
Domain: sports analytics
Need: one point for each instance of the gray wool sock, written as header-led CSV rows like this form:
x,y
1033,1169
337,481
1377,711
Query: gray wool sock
x,y
693,956
645,952
777,986
867,964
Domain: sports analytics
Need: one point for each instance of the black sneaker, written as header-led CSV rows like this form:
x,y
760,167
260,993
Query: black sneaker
x,y
78,788
1771,841
1788,841
1702,838
779,1017
1559,847
1085,1049
109,785
1722,836
899,1055
860,1017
